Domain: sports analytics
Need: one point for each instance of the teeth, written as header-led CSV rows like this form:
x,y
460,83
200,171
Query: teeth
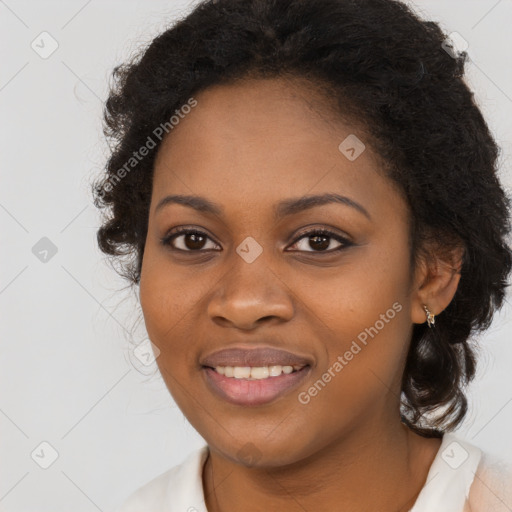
x,y
241,372
261,372
275,371
256,372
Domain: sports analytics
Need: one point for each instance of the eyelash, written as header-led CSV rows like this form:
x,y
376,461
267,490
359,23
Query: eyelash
x,y
168,238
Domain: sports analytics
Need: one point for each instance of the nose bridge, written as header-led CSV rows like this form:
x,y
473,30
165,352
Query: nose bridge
x,y
250,290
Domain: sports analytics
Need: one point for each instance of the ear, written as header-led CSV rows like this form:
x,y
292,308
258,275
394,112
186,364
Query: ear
x,y
435,283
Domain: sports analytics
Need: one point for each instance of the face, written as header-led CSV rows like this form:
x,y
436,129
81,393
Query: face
x,y
256,273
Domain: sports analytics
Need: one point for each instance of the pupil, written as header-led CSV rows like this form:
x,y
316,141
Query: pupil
x,y
196,244
323,244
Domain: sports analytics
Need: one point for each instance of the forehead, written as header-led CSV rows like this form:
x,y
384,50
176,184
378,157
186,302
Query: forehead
x,y
261,140
256,111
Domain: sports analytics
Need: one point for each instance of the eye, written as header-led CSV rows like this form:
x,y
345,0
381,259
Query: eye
x,y
321,239
192,240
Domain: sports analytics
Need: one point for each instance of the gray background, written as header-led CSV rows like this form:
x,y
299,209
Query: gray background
x,y
67,376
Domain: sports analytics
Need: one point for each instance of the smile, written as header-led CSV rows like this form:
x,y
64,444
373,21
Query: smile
x,y
256,372
251,386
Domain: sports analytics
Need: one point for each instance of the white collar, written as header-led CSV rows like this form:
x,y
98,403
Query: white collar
x,y
450,476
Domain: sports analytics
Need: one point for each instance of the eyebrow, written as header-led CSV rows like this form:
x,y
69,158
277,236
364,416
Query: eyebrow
x,y
282,209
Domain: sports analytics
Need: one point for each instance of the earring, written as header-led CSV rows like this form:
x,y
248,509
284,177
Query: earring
x,y
430,316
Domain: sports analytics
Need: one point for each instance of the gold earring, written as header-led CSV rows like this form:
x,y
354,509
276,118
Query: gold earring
x,y
430,316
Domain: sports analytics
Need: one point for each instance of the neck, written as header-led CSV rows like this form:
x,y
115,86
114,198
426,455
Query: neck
x,y
378,468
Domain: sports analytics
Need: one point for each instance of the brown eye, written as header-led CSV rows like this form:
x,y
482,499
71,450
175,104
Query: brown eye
x,y
187,240
321,239
192,240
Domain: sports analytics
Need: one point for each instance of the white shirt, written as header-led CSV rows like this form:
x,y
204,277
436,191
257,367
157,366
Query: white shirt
x,y
450,480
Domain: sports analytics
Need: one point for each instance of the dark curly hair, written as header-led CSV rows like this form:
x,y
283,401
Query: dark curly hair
x,y
388,71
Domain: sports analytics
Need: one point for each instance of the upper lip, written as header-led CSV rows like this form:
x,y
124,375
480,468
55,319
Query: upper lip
x,y
255,356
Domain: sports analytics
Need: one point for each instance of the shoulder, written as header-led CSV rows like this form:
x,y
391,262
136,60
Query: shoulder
x,y
463,478
178,486
492,486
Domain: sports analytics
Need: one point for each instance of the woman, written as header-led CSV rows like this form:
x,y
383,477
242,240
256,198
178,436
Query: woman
x,y
308,198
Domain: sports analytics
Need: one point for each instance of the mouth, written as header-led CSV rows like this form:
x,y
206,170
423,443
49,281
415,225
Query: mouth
x,y
254,375
254,385
256,372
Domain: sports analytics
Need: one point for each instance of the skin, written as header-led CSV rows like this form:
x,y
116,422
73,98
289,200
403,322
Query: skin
x,y
246,147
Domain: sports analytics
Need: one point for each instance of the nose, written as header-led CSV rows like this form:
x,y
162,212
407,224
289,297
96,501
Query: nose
x,y
249,295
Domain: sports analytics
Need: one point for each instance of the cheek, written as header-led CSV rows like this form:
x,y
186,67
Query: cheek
x,y
165,301
362,313
167,305
173,301
365,349
166,295
353,296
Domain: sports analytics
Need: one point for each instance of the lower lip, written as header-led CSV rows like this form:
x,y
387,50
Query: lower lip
x,y
253,392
